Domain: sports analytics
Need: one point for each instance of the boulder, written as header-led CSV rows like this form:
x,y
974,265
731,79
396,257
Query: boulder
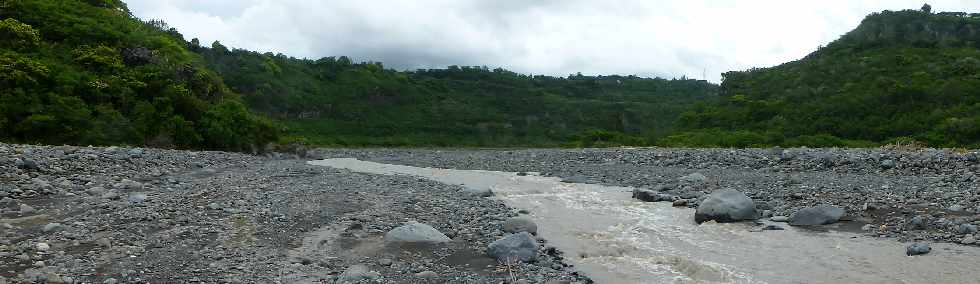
x,y
917,249
417,233
819,215
520,224
727,205
357,274
515,247
966,229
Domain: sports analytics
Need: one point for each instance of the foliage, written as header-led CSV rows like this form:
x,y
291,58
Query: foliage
x,y
87,72
907,74
333,101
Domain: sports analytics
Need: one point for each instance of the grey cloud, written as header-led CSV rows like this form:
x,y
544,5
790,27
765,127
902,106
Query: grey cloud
x,y
647,38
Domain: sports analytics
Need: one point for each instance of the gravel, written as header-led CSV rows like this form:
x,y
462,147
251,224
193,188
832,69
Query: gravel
x,y
128,215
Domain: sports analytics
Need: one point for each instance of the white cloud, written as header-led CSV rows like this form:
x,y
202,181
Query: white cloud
x,y
647,38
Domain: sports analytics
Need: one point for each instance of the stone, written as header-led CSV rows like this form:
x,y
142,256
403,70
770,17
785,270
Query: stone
x,y
917,223
385,262
968,240
965,229
520,224
781,219
887,164
110,195
818,215
726,205
680,203
955,208
53,278
52,227
136,197
428,276
27,164
515,247
26,209
479,192
694,178
110,281
415,232
357,274
653,196
917,249
96,191
42,247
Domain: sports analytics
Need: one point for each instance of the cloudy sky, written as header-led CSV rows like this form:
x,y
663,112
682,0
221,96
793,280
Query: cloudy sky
x,y
554,37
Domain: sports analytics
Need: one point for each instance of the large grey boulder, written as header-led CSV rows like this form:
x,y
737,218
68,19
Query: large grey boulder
x,y
357,274
416,233
520,224
819,215
516,247
726,205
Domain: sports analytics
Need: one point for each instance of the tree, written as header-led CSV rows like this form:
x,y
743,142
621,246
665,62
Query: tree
x,y
17,35
927,8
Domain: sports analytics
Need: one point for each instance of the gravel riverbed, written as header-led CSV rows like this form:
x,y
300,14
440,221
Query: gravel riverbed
x,y
130,215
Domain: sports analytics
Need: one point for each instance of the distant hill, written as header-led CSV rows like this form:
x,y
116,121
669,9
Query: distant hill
x,y
89,73
334,101
899,76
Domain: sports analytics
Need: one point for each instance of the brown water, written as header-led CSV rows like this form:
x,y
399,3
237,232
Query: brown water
x,y
615,239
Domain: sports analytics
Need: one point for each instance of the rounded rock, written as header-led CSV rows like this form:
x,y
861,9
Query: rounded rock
x,y
727,205
917,249
516,247
416,233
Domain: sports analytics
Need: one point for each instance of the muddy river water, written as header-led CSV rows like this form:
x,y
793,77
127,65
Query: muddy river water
x,y
616,239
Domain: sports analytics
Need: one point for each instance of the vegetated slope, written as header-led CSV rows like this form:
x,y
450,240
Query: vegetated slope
x,y
88,72
899,76
334,101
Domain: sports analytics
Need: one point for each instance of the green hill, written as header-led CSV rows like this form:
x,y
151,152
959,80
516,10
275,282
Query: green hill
x,y
333,101
88,72
906,75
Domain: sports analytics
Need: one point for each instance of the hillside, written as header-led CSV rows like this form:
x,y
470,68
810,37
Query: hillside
x,y
899,76
334,101
89,73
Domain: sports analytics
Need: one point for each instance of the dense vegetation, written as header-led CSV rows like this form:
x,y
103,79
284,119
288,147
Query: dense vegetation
x,y
88,72
333,101
906,75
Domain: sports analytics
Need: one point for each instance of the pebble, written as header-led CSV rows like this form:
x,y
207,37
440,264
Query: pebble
x,y
42,247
